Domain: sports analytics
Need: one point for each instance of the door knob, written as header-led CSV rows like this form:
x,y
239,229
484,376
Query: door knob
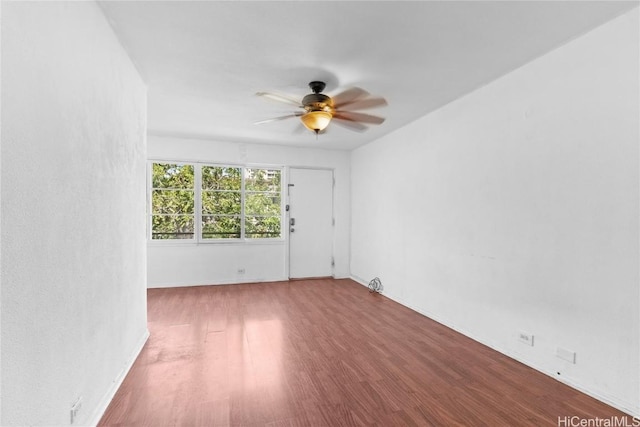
x,y
292,229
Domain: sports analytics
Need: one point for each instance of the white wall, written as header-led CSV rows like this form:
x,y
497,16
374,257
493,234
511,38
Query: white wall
x,y
73,212
218,263
0,223
516,208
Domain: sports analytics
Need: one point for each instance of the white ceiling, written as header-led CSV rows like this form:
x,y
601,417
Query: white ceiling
x,y
203,61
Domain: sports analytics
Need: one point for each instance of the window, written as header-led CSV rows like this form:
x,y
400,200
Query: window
x,y
172,195
262,203
213,202
221,202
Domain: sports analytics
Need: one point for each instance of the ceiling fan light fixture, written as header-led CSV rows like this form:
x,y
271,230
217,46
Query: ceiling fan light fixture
x,y
319,109
316,121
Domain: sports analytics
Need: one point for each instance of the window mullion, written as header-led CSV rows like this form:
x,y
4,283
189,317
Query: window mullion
x,y
197,202
242,202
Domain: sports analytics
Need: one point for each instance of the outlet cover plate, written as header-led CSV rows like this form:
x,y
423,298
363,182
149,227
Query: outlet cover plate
x,y
525,338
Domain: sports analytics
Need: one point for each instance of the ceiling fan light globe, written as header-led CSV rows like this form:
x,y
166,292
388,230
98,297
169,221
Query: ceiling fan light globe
x,y
316,121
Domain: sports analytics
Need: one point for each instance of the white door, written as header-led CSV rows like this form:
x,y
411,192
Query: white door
x,y
310,223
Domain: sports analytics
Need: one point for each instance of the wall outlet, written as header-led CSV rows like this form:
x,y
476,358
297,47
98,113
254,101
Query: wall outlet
x,y
241,270
564,354
526,338
75,408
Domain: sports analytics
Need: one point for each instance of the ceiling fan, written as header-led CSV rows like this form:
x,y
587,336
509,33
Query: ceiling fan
x,y
318,109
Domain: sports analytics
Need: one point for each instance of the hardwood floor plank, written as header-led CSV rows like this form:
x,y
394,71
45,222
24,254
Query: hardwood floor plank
x,y
323,352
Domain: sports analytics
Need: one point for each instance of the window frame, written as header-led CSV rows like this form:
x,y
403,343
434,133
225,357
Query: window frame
x,y
150,213
254,192
199,207
198,215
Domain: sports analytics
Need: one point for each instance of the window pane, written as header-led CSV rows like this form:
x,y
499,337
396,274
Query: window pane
x,y
262,227
172,227
220,227
221,178
168,175
221,202
172,202
262,180
266,204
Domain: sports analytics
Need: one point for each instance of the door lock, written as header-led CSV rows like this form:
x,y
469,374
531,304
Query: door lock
x,y
292,229
292,221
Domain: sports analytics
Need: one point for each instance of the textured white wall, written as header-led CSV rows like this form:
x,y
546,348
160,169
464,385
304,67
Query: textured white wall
x,y
517,208
0,223
215,264
73,212
191,264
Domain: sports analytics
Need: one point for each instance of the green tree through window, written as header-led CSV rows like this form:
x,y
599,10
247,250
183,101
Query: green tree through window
x,y
172,196
221,202
235,202
262,203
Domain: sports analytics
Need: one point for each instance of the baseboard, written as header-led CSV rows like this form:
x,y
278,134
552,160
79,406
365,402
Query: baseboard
x,y
609,400
117,382
228,281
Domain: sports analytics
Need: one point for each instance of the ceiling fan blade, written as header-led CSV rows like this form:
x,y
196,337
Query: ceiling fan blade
x,y
358,117
351,125
275,119
280,98
348,96
363,104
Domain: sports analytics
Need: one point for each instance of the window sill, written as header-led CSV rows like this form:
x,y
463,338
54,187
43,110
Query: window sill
x,y
236,242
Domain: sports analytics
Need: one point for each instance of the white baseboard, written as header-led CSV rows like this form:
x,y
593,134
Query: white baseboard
x,y
609,400
228,281
117,382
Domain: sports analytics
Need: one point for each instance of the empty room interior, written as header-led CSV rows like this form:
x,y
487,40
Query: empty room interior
x,y
309,213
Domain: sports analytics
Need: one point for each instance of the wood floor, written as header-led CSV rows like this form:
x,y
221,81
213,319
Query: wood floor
x,y
324,353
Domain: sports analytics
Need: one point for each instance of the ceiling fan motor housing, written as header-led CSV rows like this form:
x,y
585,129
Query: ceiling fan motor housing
x,y
317,102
